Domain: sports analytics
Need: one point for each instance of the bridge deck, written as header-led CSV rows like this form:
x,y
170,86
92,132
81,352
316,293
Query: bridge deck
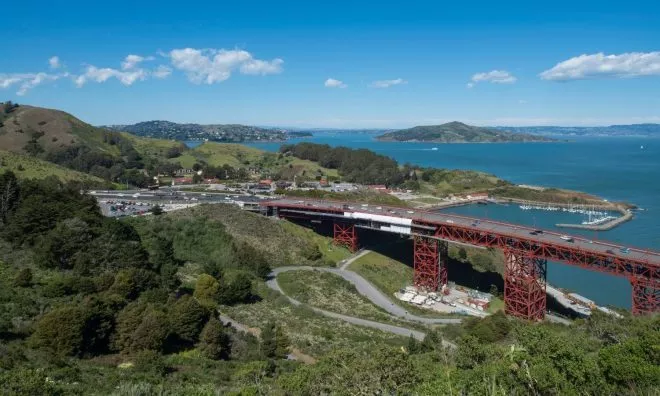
x,y
587,246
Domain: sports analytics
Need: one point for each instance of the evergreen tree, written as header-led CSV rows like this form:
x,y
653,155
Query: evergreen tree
x,y
213,342
413,345
274,342
9,195
187,317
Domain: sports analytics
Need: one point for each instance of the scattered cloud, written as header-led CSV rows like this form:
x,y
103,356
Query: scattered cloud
x,y
332,83
200,65
100,75
495,77
162,71
263,68
626,65
387,83
37,80
211,66
133,60
27,81
54,62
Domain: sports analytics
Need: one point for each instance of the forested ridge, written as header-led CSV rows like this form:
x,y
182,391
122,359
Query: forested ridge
x,y
91,305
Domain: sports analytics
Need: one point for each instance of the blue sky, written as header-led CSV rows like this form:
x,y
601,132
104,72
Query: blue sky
x,y
336,64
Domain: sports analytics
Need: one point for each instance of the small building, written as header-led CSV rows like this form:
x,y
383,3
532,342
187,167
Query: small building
x,y
378,187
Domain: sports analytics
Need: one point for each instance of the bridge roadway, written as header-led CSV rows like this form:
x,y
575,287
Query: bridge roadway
x,y
595,255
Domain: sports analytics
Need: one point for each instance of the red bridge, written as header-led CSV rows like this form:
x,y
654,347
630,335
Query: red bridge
x,y
526,250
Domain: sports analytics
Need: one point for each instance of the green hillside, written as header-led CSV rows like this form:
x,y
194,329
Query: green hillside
x,y
26,167
457,132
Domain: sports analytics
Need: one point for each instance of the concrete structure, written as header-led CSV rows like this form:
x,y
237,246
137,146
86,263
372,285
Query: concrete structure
x,y
526,250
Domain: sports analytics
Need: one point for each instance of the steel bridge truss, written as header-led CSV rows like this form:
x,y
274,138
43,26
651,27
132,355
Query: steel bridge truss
x,y
345,235
524,285
645,296
430,263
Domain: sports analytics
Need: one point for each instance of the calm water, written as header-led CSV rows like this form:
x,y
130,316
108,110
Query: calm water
x,y
614,168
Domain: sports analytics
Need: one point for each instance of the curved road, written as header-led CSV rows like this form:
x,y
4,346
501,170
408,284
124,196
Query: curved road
x,y
369,291
366,289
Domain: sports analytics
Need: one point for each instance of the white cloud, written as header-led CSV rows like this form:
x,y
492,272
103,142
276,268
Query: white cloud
x,y
162,71
387,83
495,76
133,60
37,80
630,64
522,101
332,83
27,81
101,75
211,66
263,68
54,62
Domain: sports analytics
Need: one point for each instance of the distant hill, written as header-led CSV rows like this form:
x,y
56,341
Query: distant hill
x,y
612,130
231,133
37,142
457,132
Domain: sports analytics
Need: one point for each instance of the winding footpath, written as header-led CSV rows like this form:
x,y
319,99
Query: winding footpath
x,y
366,289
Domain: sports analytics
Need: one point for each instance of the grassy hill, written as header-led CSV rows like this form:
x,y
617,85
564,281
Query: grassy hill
x,y
457,132
48,135
26,167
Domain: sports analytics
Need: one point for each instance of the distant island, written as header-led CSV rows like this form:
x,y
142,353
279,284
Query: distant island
x,y
228,133
647,130
458,132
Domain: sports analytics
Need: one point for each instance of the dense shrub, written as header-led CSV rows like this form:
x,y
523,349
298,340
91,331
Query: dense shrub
x,y
213,342
187,317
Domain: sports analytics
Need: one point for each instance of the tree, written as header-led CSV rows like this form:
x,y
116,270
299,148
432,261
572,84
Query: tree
x,y
213,342
23,278
207,289
129,283
157,210
238,291
9,195
187,317
151,333
60,246
413,345
274,343
61,331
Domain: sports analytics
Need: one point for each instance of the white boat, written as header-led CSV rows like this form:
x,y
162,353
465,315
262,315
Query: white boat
x,y
434,149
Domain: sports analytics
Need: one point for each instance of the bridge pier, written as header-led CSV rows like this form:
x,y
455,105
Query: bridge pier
x,y
524,285
430,263
345,235
645,296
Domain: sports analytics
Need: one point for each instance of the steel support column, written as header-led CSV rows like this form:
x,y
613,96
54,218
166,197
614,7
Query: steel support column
x,y
645,296
430,263
524,285
345,235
